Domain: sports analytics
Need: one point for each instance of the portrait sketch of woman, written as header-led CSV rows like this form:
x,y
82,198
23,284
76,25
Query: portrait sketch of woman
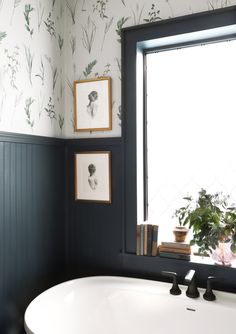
x,y
92,107
92,100
93,176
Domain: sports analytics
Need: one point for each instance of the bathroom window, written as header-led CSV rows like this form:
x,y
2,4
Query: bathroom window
x,y
164,44
190,128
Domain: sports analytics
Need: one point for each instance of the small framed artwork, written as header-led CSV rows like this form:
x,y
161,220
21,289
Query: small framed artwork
x,y
92,104
93,176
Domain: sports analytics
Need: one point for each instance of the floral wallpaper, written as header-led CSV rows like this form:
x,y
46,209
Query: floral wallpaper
x,y
47,44
31,67
93,43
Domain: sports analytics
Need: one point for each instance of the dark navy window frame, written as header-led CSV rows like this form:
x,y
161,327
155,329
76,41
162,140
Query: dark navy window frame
x,y
135,43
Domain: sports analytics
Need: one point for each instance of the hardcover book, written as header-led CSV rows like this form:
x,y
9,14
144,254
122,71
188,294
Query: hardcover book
x,y
154,240
145,240
141,239
138,239
182,245
177,256
174,250
149,240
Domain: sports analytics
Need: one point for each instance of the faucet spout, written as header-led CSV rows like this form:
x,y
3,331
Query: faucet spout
x,y
192,291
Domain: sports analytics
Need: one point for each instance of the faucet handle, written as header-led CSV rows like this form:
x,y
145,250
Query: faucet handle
x,y
175,290
209,295
192,291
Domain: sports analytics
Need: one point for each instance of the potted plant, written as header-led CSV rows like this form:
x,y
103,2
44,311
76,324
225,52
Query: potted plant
x,y
213,223
181,231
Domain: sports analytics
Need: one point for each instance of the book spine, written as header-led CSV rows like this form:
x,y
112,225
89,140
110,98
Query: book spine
x,y
145,240
149,240
138,239
154,240
175,256
141,239
174,250
175,244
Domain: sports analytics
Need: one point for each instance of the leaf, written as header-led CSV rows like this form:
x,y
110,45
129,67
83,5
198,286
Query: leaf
x,y
2,35
233,248
89,68
16,3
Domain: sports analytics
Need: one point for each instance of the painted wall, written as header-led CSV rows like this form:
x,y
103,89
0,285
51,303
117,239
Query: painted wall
x,y
32,223
93,42
31,67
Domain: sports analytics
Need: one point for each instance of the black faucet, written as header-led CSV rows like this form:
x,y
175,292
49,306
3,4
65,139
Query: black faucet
x,y
192,291
175,290
209,295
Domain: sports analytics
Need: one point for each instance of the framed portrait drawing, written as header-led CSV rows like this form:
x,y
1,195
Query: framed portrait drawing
x,y
92,104
93,176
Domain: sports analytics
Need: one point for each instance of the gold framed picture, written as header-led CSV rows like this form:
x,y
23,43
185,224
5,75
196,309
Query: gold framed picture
x,y
93,176
93,104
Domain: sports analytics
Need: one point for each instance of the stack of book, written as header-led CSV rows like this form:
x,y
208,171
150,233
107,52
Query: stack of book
x,y
175,250
146,239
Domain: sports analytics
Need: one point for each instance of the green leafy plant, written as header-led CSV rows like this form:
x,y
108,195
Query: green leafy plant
x,y
105,73
28,103
60,42
106,29
41,73
89,68
72,9
28,10
211,219
54,72
29,62
100,7
49,23
88,34
153,14
137,14
13,65
73,44
2,35
50,110
120,25
53,3
61,121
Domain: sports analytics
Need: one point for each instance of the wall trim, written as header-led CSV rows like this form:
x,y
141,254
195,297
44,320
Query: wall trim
x,y
85,142
11,137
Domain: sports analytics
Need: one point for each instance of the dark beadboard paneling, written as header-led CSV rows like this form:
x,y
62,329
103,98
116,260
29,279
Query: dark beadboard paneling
x,y
32,252
94,229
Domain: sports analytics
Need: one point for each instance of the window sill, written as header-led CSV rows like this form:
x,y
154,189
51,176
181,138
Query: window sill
x,y
150,268
199,260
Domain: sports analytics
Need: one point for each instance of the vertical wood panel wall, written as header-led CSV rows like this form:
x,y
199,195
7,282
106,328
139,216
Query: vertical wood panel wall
x,y
94,240
32,238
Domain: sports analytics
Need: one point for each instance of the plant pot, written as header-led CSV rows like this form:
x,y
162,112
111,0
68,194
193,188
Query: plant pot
x,y
180,233
223,255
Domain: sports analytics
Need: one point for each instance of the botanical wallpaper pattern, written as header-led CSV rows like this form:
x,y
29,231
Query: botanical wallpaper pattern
x,y
47,44
31,67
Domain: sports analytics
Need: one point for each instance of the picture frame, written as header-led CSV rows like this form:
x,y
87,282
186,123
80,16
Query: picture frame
x,y
93,105
93,176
